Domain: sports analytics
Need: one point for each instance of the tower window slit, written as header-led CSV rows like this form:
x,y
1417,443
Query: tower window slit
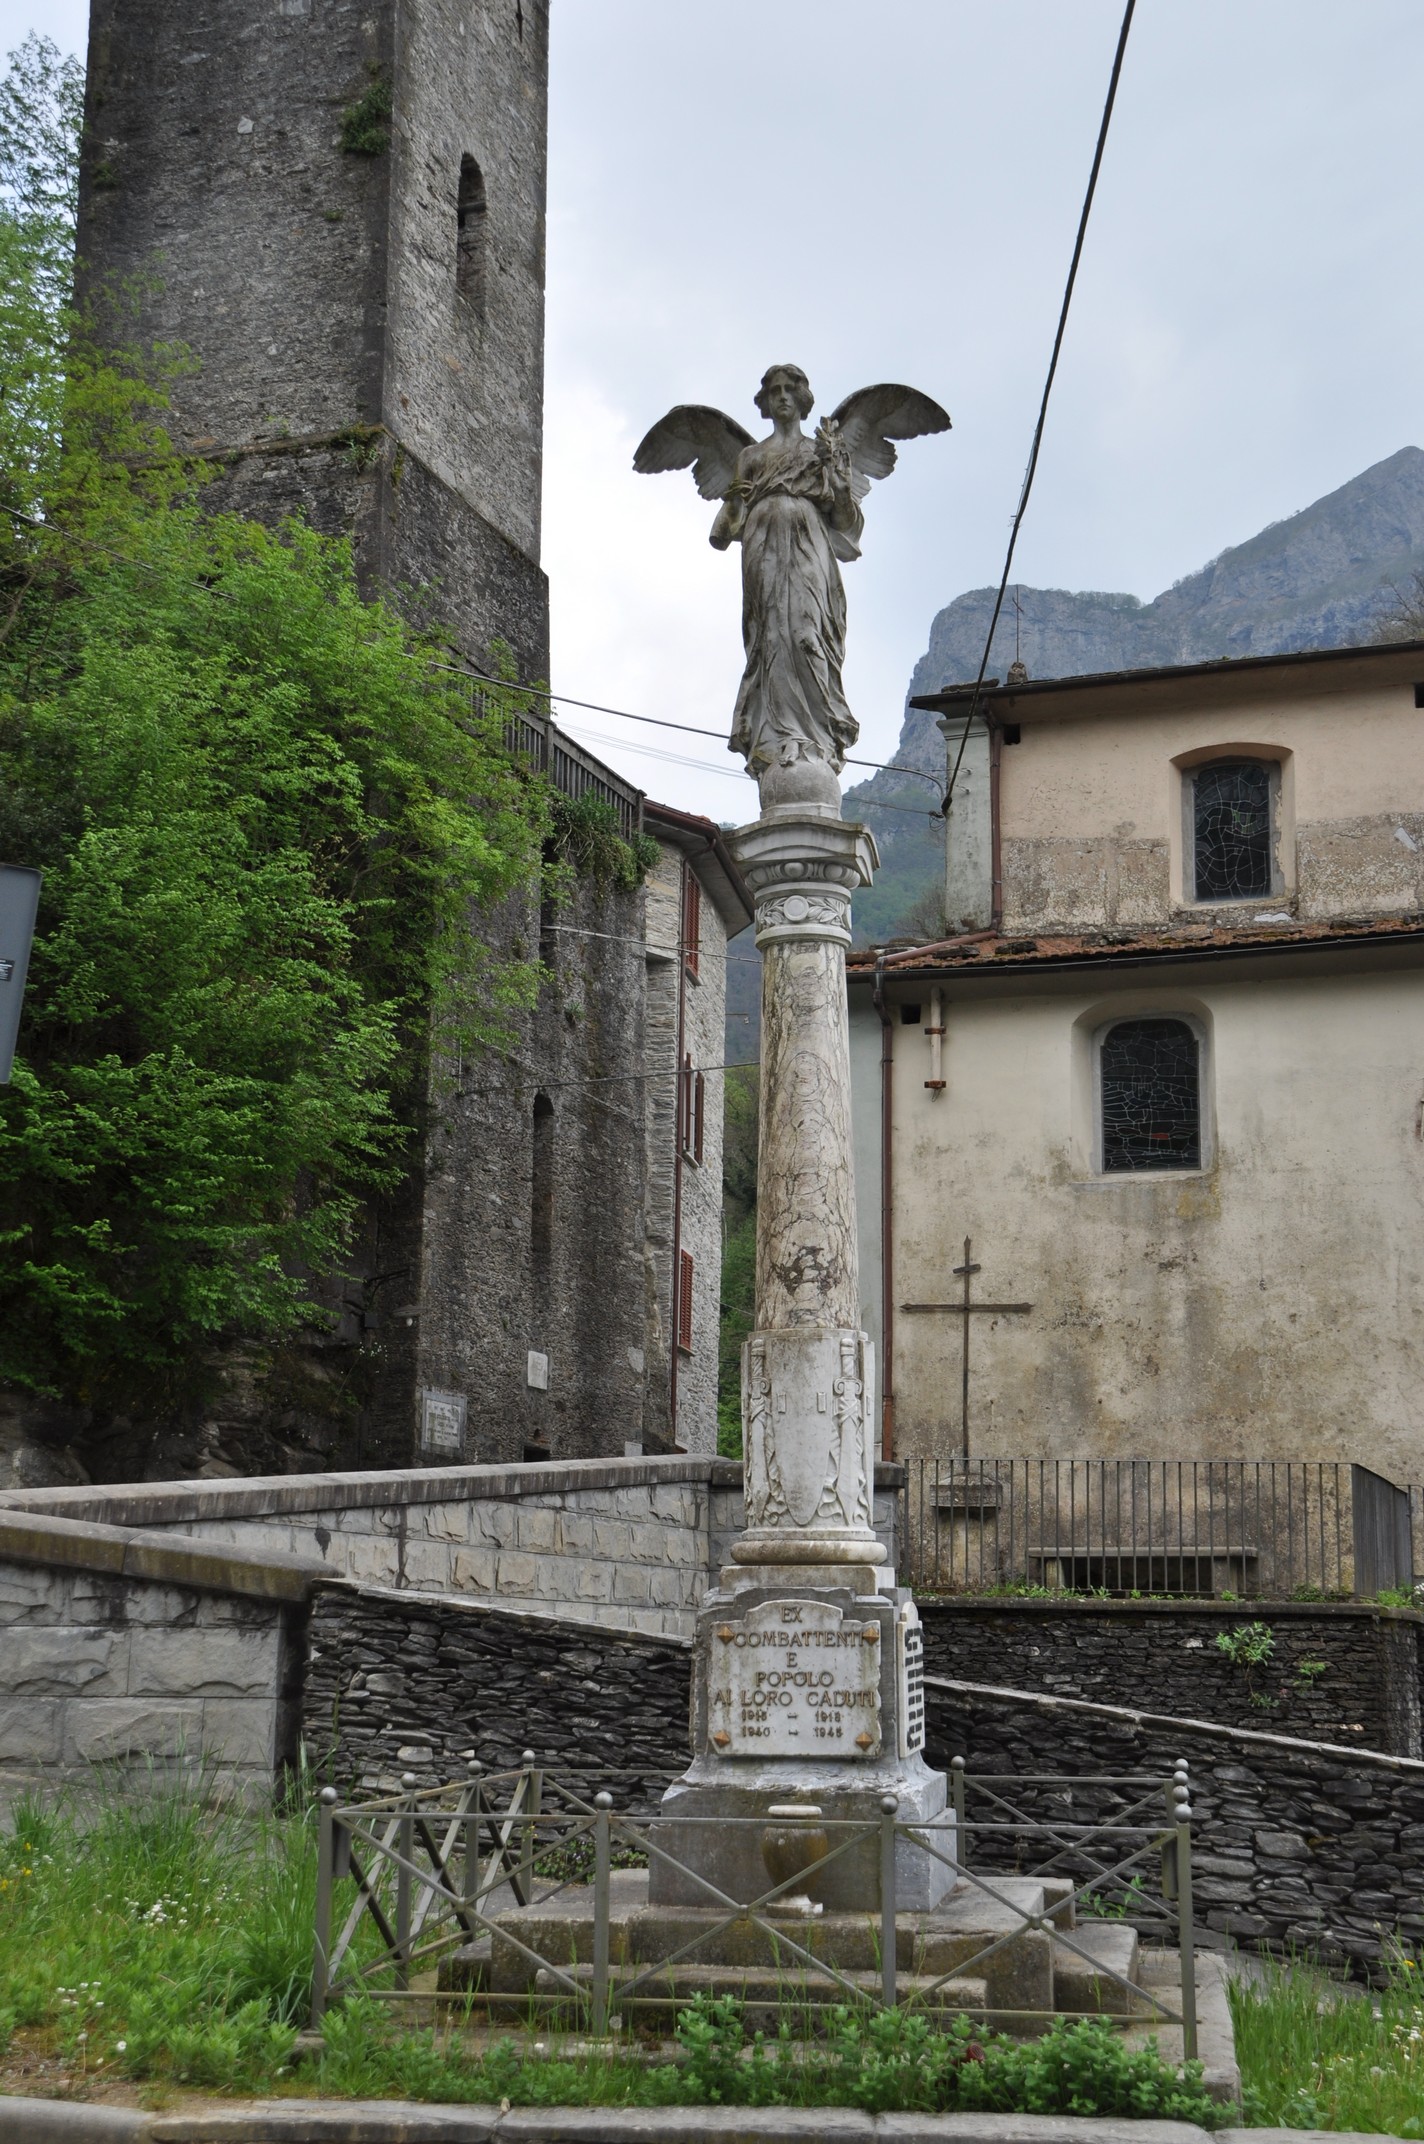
x,y
471,225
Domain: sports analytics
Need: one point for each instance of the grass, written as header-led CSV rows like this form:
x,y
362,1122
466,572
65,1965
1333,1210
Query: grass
x,y
1315,2057
165,1938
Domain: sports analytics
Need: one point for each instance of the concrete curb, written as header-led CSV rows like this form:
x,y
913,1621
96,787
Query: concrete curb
x,y
325,2121
311,2121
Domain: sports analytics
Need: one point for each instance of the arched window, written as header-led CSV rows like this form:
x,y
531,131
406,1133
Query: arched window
x,y
541,1212
1233,846
471,217
1150,1088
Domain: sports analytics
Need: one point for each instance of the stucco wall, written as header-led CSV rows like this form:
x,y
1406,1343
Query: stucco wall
x,y
1091,797
1262,1306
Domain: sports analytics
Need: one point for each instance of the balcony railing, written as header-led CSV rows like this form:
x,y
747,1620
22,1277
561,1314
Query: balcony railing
x,y
533,736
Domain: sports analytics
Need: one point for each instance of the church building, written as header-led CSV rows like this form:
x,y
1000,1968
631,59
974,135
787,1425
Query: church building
x,y
1141,1143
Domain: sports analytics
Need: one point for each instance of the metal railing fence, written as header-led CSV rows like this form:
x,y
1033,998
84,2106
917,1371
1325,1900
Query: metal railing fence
x,y
427,1870
533,736
1312,1529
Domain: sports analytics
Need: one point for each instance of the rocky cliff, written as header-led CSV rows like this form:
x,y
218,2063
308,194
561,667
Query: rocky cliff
x,y
1317,580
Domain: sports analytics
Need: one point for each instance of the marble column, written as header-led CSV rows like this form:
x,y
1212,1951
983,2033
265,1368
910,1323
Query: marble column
x,y
807,1685
808,1374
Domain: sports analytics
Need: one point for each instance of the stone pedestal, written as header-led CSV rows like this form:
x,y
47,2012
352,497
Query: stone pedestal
x,y
807,1675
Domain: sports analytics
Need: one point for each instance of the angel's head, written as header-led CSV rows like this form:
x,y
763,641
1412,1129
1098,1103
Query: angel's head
x,y
779,380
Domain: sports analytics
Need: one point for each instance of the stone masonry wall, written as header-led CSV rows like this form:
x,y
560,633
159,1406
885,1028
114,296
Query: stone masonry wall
x,y
123,1665
633,1542
1295,1844
397,1684
1366,1694
626,1541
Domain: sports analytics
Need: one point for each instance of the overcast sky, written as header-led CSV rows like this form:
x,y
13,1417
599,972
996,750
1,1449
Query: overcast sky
x,y
890,192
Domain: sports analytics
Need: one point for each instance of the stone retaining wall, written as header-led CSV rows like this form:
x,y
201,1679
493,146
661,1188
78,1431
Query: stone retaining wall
x,y
125,1647
406,1683
1365,1694
1295,1844
635,1542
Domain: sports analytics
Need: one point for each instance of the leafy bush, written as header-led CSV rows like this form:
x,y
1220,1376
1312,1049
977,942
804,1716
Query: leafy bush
x,y
586,830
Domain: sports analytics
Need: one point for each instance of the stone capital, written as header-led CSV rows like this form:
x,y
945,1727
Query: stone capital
x,y
803,868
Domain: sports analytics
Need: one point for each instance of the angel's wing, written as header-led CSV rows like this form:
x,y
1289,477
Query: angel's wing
x,y
705,439
871,418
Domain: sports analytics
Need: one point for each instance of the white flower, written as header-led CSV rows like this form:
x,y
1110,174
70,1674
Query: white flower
x,y
121,2047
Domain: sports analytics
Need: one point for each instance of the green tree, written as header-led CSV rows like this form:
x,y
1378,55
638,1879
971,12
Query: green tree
x,y
268,814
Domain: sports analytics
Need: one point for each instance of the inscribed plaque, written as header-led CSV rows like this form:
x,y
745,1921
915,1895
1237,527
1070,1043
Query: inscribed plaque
x,y
795,1678
442,1420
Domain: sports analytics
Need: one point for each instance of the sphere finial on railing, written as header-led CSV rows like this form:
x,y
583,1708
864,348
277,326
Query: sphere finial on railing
x,y
603,1801
529,1760
330,1797
889,1803
408,1782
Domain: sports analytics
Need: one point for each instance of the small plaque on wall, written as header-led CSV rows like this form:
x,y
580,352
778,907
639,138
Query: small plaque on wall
x,y
442,1420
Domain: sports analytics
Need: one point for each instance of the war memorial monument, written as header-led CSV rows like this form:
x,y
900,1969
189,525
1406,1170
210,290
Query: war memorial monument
x,y
807,1694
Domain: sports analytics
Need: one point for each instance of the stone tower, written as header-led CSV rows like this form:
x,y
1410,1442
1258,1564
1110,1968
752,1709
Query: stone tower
x,y
339,208
338,205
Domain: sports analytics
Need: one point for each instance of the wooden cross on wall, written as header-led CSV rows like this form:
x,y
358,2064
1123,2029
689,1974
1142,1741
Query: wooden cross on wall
x,y
967,1309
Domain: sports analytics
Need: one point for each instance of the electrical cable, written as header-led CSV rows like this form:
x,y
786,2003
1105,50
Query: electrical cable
x,y
466,669
1047,391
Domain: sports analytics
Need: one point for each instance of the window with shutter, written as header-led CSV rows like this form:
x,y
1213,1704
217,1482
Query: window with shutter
x,y
684,1301
691,920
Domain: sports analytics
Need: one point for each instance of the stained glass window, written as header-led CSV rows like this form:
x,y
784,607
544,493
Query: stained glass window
x,y
1231,830
1151,1089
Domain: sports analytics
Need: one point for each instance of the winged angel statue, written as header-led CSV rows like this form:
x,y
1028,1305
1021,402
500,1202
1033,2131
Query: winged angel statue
x,y
793,504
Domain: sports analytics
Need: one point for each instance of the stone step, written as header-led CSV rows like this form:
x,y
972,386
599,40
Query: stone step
x,y
770,1998
1081,1983
467,1968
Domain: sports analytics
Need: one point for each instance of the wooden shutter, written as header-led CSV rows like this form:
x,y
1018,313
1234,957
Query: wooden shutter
x,y
684,1301
691,919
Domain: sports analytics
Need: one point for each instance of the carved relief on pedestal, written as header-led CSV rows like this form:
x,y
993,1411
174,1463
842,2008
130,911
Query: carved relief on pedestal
x,y
807,1433
765,1497
846,1499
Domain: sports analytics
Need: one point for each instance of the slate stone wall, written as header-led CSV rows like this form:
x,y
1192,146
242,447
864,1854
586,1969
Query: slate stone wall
x,y
1365,1696
1296,1844
397,1685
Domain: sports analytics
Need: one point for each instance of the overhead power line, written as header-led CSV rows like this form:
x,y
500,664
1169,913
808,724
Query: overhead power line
x,y
1108,103
466,669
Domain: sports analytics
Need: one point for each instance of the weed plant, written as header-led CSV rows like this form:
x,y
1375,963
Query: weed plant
x,y
1313,2056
